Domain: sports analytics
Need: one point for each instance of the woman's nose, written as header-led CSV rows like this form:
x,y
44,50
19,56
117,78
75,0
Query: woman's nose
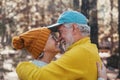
x,y
60,38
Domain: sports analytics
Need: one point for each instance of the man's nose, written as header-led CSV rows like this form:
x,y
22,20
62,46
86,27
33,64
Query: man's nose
x,y
60,38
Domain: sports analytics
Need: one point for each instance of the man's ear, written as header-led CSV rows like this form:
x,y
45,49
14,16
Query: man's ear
x,y
75,28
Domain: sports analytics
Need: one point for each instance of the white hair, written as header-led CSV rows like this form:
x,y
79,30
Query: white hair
x,y
84,28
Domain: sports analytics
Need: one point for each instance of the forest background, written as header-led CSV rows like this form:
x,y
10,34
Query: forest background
x,y
18,16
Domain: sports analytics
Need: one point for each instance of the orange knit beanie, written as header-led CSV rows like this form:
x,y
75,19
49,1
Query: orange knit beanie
x,y
33,41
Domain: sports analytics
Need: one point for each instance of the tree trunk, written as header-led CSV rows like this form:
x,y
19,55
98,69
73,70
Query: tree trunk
x,y
85,8
3,29
119,36
93,21
111,24
76,5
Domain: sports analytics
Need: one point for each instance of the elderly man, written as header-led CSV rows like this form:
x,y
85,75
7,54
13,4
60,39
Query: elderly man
x,y
80,57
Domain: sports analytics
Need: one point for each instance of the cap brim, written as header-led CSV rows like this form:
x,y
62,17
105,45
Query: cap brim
x,y
54,27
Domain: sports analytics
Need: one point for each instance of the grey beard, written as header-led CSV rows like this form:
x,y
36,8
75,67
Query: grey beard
x,y
68,45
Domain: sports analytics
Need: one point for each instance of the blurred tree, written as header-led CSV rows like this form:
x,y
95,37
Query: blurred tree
x,y
6,26
93,21
51,6
111,24
89,8
76,5
85,8
119,36
2,33
2,25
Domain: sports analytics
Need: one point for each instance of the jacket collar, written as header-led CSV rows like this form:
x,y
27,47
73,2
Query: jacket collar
x,y
81,41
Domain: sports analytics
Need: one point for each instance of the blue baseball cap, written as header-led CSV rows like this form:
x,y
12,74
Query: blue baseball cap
x,y
69,17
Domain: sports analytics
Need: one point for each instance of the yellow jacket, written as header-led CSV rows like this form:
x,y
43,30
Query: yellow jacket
x,y
77,63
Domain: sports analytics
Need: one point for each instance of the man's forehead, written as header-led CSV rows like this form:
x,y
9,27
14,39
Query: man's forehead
x,y
61,27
